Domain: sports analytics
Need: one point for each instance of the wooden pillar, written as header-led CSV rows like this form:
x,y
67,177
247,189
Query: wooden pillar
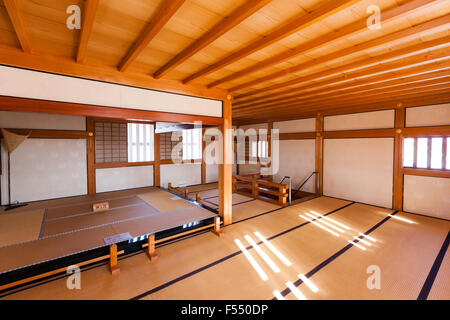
x,y
216,229
225,168
157,159
151,251
397,199
203,158
90,127
113,267
319,153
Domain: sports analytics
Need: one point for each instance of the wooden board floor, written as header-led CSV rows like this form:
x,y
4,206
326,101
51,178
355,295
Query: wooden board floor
x,y
215,268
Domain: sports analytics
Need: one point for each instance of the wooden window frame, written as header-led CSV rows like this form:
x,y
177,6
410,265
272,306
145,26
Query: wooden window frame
x,y
429,144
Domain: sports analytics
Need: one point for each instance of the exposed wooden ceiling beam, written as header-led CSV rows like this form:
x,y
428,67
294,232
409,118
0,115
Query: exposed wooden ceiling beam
x,y
285,86
390,56
439,95
167,10
237,16
394,84
313,44
299,22
88,17
410,100
13,9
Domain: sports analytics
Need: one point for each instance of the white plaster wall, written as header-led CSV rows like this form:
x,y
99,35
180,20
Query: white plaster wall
x,y
212,173
427,195
359,170
301,125
112,179
434,115
189,174
297,160
366,120
15,82
46,169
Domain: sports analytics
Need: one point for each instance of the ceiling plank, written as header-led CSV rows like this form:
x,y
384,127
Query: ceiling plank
x,y
414,50
167,10
226,24
285,30
332,36
13,9
89,12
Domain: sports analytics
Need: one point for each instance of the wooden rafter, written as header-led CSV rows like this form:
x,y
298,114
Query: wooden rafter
x,y
313,44
167,10
297,23
304,83
89,12
12,7
226,24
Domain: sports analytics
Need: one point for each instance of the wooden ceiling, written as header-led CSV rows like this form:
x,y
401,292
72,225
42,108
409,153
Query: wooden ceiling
x,y
281,59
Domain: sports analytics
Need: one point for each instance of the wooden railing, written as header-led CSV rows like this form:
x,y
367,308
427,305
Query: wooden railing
x,y
257,186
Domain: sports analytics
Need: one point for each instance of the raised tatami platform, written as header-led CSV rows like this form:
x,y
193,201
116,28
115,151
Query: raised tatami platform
x,y
49,230
406,248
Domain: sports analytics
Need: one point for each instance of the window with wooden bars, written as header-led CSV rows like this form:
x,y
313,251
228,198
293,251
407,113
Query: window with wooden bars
x,y
166,146
123,142
191,145
427,153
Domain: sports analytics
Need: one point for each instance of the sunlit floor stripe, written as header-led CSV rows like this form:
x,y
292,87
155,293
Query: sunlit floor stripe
x,y
325,223
401,219
263,255
295,291
278,295
273,249
363,241
320,226
308,282
368,237
357,245
252,261
331,220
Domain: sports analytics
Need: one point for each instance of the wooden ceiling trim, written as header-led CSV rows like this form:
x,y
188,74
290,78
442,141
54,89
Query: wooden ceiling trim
x,y
361,99
13,9
167,10
35,105
226,24
420,28
67,66
420,81
383,67
355,27
285,30
335,55
89,13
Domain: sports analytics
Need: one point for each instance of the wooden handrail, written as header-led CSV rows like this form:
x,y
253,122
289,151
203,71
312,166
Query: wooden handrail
x,y
258,185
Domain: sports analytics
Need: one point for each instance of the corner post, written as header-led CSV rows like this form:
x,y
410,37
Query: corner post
x,y
319,152
225,168
397,201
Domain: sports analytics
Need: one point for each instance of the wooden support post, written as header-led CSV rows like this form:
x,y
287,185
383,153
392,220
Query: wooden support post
x,y
255,186
113,267
169,186
151,252
397,199
90,127
197,197
234,184
319,153
226,167
281,196
157,159
216,229
186,192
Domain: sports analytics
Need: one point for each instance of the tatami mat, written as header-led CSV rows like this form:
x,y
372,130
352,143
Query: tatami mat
x,y
441,284
16,227
164,201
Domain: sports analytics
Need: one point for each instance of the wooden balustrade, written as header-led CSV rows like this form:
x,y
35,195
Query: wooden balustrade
x,y
257,186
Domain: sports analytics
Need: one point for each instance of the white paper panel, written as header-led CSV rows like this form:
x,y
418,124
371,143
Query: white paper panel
x,y
297,160
177,174
435,115
301,125
359,170
212,173
35,120
48,168
427,195
23,83
366,120
111,179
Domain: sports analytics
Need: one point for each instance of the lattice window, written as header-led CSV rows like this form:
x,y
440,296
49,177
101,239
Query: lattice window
x,y
111,142
427,153
166,146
